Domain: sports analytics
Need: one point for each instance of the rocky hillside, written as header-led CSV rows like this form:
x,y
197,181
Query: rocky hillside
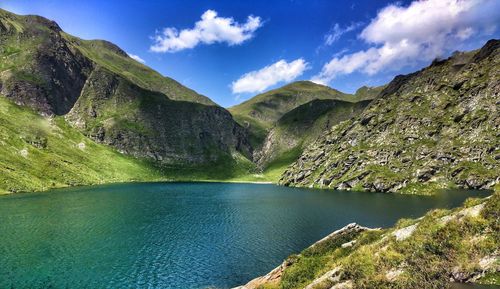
x,y
437,127
301,126
110,97
444,246
260,113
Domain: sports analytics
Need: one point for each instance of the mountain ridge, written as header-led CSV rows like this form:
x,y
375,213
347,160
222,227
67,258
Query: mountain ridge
x,y
260,113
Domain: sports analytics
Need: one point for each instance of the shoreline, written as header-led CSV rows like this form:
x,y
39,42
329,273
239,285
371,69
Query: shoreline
x,y
7,193
350,238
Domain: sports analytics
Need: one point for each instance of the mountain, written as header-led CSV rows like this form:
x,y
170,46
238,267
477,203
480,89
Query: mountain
x,y
434,128
110,97
301,126
368,93
260,113
444,246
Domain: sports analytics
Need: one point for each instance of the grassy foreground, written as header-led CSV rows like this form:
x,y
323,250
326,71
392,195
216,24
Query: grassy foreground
x,y
460,245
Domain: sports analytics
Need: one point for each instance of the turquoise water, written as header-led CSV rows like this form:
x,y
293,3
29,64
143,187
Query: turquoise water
x,y
178,235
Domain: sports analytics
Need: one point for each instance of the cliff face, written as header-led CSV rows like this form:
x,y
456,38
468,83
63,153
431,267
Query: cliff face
x,y
110,97
144,123
436,127
38,68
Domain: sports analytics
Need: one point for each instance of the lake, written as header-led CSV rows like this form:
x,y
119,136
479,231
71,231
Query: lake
x,y
179,235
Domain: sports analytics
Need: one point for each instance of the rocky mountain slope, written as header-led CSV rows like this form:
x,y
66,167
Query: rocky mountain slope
x,y
110,97
444,246
437,127
301,126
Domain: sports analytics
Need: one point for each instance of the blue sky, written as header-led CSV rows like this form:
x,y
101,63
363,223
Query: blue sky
x,y
265,44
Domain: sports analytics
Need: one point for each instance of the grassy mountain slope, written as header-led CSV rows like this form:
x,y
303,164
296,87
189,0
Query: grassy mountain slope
x,y
437,127
110,97
301,126
260,113
25,37
144,123
110,56
39,153
458,245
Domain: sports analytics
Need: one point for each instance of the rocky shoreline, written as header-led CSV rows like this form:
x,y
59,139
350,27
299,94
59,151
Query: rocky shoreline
x,y
481,255
274,276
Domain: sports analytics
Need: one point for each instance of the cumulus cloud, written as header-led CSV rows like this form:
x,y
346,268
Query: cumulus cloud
x,y
210,29
259,80
336,32
136,58
400,36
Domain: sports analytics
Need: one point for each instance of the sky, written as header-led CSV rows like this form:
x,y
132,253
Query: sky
x,y
231,50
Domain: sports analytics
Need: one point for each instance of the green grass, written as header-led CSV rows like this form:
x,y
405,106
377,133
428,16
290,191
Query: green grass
x,y
37,154
426,258
275,168
110,57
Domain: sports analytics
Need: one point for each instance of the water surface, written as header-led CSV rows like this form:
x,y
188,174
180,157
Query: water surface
x,y
178,235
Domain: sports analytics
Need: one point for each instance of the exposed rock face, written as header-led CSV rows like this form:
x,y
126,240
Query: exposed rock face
x,y
110,97
433,127
143,123
51,73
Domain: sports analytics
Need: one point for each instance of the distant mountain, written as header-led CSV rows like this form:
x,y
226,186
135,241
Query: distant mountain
x,y
368,93
260,113
110,97
281,122
434,128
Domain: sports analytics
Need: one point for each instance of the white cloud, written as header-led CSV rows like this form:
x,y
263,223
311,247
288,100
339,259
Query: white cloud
x,y
259,80
136,58
400,36
336,32
210,29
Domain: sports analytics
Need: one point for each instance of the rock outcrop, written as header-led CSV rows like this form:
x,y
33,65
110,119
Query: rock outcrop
x,y
342,236
444,246
434,128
